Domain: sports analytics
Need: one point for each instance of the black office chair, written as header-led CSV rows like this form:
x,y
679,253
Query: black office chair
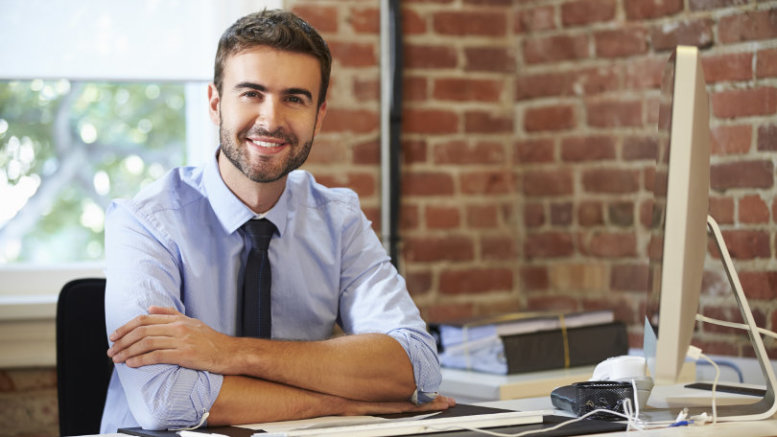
x,y
83,368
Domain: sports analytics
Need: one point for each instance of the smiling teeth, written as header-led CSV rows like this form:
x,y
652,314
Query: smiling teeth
x,y
265,144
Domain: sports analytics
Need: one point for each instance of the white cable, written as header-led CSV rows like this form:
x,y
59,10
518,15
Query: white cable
x,y
742,326
714,386
631,421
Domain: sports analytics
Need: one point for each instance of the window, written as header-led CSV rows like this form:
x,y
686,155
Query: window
x,y
96,99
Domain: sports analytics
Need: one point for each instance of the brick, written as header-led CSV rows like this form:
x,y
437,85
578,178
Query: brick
x,y
534,151
699,33
412,22
535,19
702,5
593,148
533,215
534,277
462,153
436,249
549,118
640,148
414,89
464,90
748,26
427,184
581,12
590,213
470,23
742,174
753,210
646,212
322,18
621,213
646,9
366,90
365,20
429,121
611,180
429,57
614,113
745,244
419,283
352,54
475,281
722,210
550,84
498,248
577,277
612,245
367,153
766,65
544,302
644,73
482,216
540,50
767,138
591,81
548,245
556,182
351,120
488,123
363,184
487,182
561,214
327,152
413,151
621,43
409,217
731,139
448,311
442,217
489,59
629,277
728,67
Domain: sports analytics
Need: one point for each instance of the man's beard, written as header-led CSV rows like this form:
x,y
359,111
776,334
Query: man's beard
x,y
264,171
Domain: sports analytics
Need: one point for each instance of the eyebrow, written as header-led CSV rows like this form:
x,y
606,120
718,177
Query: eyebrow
x,y
287,91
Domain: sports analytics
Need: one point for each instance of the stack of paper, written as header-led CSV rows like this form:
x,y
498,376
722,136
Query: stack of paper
x,y
513,343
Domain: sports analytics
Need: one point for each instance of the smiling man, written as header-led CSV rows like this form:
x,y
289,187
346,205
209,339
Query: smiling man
x,y
179,267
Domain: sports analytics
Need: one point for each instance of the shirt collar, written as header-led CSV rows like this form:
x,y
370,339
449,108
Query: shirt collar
x,y
231,212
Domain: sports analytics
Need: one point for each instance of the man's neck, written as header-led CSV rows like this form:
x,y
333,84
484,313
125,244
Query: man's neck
x,y
258,196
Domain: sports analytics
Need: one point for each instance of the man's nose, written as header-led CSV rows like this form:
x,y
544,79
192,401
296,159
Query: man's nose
x,y
269,114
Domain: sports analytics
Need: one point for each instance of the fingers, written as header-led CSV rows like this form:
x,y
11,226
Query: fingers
x,y
157,315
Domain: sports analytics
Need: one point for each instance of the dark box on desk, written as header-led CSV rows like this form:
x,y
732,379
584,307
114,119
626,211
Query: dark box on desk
x,y
545,350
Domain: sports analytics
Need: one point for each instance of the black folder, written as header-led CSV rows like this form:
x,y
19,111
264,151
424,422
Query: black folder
x,y
545,350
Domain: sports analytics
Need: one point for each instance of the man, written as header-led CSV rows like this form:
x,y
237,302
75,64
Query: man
x,y
176,254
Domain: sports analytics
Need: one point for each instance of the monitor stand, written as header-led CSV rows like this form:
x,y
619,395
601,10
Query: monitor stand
x,y
766,405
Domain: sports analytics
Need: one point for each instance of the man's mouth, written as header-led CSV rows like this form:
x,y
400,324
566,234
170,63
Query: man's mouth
x,y
266,144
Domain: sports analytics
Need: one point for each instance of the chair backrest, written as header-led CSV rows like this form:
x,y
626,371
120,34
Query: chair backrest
x,y
83,368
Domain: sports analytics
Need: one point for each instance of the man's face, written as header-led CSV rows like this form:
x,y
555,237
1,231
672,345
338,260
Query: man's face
x,y
267,111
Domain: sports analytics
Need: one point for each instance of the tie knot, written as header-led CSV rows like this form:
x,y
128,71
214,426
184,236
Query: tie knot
x,y
260,232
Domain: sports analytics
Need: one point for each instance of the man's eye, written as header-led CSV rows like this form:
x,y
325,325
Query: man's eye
x,y
295,99
251,94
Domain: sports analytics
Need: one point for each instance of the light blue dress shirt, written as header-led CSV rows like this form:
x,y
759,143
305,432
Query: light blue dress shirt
x,y
178,243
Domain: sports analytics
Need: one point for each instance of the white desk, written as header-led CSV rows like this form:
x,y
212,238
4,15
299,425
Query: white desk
x,y
764,428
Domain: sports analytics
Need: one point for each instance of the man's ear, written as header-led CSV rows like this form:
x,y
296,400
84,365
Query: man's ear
x,y
213,104
320,117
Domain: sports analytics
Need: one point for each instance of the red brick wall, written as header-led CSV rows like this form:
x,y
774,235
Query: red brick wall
x,y
528,146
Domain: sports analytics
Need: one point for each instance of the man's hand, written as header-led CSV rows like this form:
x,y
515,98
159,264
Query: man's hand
x,y
167,336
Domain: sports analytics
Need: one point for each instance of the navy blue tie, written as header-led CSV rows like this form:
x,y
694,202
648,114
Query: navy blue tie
x,y
256,309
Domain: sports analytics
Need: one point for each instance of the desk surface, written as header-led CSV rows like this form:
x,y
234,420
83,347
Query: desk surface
x,y
762,428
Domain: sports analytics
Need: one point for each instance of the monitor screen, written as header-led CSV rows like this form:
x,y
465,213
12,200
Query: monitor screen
x,y
678,243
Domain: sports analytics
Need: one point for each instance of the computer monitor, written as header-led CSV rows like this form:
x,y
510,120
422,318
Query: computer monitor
x,y
679,241
679,230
